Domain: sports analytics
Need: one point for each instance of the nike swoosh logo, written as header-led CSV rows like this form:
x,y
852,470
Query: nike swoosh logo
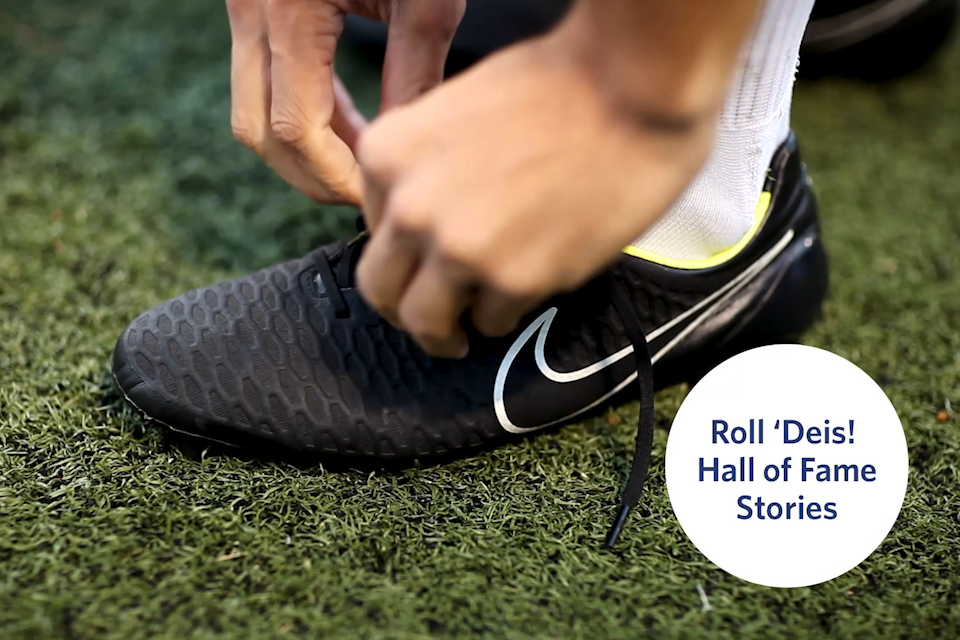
x,y
541,327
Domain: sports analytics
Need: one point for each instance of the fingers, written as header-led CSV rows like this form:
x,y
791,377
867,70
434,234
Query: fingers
x,y
374,187
287,105
348,123
303,40
373,197
406,276
417,46
423,287
496,314
385,271
249,74
431,309
428,300
250,95
380,162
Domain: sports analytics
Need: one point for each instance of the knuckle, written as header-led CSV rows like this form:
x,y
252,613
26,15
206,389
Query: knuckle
x,y
246,132
288,129
465,250
517,285
408,214
340,185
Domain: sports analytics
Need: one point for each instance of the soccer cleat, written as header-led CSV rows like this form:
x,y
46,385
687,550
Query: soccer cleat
x,y
875,40
291,357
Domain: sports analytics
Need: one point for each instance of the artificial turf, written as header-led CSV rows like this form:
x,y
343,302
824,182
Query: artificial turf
x,y
120,185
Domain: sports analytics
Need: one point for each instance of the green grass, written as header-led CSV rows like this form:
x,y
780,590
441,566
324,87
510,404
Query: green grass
x,y
120,185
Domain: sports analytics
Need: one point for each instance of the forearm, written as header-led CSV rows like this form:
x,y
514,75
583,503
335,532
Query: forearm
x,y
666,61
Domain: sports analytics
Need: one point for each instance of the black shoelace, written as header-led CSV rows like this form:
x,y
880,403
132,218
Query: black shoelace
x,y
644,444
336,272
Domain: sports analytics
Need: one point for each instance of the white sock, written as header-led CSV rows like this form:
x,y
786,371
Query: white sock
x,y
717,209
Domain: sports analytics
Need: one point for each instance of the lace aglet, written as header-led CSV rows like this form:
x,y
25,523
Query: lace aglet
x,y
617,526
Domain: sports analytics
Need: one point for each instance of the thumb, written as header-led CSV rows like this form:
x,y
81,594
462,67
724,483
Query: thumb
x,y
419,37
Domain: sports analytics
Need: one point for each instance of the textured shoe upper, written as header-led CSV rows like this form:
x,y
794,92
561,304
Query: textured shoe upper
x,y
265,359
267,355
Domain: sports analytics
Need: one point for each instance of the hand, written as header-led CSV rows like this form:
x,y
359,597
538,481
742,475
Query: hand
x,y
517,180
288,104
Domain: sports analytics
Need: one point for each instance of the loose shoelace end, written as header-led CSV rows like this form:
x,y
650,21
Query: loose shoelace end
x,y
617,526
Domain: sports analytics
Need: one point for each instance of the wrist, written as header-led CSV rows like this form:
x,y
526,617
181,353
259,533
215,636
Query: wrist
x,y
653,62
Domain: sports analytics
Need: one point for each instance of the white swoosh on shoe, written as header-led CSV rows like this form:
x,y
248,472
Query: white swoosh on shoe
x,y
541,325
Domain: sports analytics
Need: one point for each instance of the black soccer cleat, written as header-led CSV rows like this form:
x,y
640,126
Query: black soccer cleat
x,y
875,40
292,357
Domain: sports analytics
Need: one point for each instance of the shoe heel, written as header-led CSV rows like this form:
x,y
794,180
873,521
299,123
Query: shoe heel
x,y
793,305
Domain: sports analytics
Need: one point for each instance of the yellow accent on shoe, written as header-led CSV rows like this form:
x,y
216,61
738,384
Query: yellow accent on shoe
x,y
718,258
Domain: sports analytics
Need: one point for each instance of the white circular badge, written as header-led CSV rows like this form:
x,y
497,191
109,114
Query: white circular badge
x,y
786,465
